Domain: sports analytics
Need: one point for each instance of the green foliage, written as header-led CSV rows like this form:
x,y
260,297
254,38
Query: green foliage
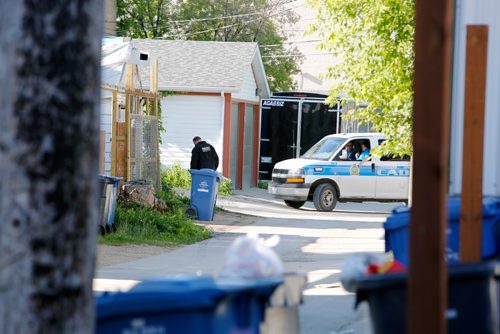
x,y
225,187
263,185
142,225
175,176
260,21
143,18
373,42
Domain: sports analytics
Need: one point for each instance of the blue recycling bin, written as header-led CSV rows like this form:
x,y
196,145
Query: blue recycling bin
x,y
174,306
473,299
186,304
204,186
109,188
397,231
247,300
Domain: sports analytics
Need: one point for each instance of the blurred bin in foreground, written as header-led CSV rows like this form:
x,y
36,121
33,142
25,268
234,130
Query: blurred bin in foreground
x,y
245,303
473,299
187,304
108,187
177,305
282,313
397,231
204,186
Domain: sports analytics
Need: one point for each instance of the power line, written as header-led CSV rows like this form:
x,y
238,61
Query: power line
x,y
226,26
290,42
299,55
233,16
223,17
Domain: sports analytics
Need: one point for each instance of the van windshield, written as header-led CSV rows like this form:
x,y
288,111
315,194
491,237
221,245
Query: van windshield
x,y
324,149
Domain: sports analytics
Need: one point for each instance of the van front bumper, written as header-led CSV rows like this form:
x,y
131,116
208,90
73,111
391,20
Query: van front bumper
x,y
289,191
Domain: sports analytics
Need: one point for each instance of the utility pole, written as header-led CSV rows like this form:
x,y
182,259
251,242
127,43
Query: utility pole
x,y
49,150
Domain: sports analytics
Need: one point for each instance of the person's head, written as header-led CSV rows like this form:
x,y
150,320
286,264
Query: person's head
x,y
196,140
364,145
349,146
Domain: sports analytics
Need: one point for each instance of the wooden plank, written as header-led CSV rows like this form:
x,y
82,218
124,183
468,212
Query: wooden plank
x,y
256,142
471,217
241,144
102,152
114,132
121,144
226,140
427,283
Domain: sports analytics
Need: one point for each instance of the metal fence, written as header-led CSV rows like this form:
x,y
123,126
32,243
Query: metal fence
x,y
144,148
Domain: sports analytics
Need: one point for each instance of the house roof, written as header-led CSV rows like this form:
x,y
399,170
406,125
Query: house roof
x,y
202,66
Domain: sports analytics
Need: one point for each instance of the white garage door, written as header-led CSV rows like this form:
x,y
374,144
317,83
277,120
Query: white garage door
x,y
186,116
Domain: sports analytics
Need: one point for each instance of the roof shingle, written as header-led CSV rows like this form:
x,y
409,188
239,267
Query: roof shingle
x,y
198,64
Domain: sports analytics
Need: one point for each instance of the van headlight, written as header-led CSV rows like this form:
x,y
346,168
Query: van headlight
x,y
296,175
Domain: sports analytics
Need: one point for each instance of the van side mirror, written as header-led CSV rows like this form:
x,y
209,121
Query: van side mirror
x,y
343,155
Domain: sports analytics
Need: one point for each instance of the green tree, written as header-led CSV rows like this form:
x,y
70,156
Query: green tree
x,y
260,21
373,42
142,18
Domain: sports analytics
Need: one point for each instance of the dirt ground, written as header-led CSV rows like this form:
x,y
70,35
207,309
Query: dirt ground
x,y
108,255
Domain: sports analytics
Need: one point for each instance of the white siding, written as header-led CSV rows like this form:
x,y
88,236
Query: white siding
x,y
186,116
106,120
247,92
477,12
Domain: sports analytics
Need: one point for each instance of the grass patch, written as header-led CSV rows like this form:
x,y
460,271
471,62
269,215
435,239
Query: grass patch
x,y
177,177
140,225
263,185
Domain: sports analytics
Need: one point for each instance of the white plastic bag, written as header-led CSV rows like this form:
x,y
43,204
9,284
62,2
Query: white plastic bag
x,y
355,267
252,257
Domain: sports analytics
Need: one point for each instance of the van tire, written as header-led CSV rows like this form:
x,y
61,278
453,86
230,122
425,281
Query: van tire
x,y
325,197
295,204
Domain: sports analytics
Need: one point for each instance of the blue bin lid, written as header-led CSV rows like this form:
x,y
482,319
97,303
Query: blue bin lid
x,y
109,179
259,286
174,294
204,171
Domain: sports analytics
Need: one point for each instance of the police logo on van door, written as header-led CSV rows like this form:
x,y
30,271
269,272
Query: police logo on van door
x,y
354,170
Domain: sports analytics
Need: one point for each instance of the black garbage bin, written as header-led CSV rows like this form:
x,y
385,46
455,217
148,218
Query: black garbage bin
x,y
473,299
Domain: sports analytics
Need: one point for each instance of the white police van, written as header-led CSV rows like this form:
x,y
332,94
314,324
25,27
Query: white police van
x,y
325,174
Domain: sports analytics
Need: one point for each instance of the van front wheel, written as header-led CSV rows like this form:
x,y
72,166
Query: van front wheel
x,y
325,197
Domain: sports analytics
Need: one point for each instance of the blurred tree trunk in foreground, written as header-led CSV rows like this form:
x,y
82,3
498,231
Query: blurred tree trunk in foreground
x,y
49,122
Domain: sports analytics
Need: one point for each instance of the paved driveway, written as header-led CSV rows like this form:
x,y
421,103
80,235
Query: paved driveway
x,y
315,243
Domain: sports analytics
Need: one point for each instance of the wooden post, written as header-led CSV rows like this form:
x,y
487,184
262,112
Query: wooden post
x,y
114,132
472,175
241,145
256,147
102,152
427,283
226,140
129,85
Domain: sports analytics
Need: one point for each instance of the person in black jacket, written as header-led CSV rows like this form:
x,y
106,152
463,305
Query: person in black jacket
x,y
203,155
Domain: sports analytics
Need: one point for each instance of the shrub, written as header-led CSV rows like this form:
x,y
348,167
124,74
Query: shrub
x,y
140,225
177,177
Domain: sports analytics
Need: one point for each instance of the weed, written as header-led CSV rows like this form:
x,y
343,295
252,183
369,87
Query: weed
x,y
177,177
263,185
140,225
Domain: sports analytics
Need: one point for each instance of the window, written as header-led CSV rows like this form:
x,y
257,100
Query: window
x,y
324,149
